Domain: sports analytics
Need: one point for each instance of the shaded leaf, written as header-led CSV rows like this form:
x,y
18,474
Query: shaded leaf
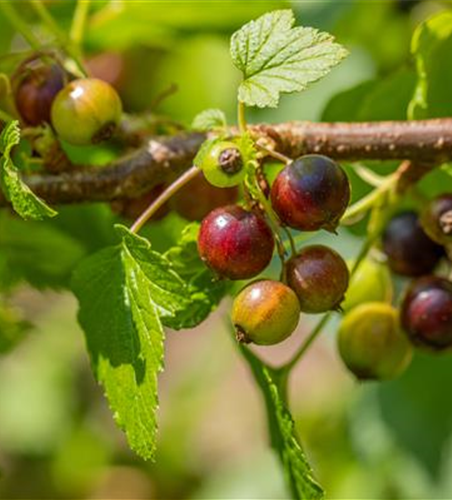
x,y
22,198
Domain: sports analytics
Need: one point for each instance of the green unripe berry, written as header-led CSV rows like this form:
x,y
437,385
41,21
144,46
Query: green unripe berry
x,y
86,111
371,343
265,312
222,164
370,283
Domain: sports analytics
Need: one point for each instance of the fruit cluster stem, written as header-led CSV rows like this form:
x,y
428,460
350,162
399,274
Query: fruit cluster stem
x,y
164,197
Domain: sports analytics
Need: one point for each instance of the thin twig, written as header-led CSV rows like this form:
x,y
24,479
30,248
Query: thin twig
x,y
164,197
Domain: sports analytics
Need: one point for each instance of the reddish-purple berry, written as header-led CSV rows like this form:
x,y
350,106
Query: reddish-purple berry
x,y
409,250
319,276
311,193
35,83
426,312
235,243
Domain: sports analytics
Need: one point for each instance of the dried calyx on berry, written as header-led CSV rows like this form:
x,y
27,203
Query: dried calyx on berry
x,y
35,84
436,219
222,163
265,312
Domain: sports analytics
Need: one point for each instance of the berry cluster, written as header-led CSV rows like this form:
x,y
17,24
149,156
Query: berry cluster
x,y
376,339
81,111
310,193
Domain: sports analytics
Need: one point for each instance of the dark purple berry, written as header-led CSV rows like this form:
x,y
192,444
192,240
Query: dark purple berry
x,y
319,276
35,84
311,193
234,243
436,219
409,250
426,312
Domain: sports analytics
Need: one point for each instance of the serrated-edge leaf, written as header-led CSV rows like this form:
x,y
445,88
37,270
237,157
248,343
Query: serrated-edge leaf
x,y
297,471
427,36
22,198
274,57
209,119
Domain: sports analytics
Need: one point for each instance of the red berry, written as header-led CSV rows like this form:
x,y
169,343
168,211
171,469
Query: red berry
x,y
311,193
319,276
436,219
409,250
198,198
234,243
265,312
427,312
35,84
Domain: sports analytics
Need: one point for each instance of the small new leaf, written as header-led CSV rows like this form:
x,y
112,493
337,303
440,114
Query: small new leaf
x,y
275,57
209,119
22,198
298,472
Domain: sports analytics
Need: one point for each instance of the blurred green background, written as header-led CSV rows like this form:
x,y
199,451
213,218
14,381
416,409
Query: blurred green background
x,y
57,437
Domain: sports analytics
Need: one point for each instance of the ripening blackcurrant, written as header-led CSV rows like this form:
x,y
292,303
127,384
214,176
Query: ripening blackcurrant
x,y
35,84
426,312
86,111
222,164
311,193
235,243
371,343
265,312
409,250
436,219
370,283
319,276
198,198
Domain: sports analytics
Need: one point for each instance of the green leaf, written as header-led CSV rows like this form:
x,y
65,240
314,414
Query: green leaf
x,y
209,119
37,252
431,45
124,291
297,470
126,294
205,290
274,57
22,198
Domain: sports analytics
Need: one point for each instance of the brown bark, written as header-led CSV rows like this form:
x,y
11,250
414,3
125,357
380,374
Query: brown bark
x,y
424,142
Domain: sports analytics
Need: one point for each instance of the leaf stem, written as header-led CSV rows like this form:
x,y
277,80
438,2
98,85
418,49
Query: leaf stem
x,y
60,35
274,154
164,197
241,117
368,201
79,22
19,25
